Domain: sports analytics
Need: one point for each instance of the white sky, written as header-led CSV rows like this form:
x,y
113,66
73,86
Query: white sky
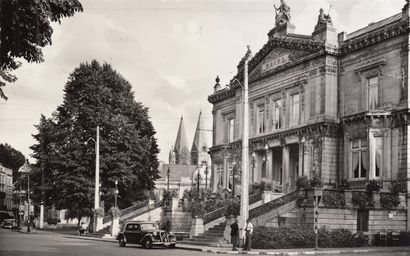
x,y
169,50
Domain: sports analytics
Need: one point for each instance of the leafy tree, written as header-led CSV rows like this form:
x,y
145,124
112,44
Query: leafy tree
x,y
96,95
25,28
11,158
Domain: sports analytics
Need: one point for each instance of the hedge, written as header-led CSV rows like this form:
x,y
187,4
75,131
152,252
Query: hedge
x,y
290,237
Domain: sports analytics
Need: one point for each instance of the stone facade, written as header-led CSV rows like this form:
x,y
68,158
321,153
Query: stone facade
x,y
329,105
6,188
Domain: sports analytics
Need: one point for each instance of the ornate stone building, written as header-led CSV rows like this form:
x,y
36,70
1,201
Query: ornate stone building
x,y
330,105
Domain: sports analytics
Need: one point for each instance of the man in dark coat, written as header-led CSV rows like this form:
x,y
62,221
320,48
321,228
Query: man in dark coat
x,y
235,234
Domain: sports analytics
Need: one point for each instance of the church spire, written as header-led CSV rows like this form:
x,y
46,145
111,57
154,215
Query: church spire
x,y
182,154
199,149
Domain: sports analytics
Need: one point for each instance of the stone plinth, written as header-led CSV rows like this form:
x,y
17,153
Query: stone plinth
x,y
197,227
284,29
99,224
115,226
325,32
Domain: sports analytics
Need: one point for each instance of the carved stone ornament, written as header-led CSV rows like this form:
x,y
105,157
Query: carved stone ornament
x,y
282,14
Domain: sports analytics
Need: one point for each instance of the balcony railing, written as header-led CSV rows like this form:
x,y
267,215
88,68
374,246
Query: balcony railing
x,y
362,184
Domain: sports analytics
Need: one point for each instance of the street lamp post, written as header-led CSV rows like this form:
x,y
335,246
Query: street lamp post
x,y
197,179
244,212
97,176
303,155
253,166
233,179
168,171
116,194
28,202
206,175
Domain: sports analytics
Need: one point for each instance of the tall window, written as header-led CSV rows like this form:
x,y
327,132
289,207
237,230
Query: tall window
x,y
277,117
294,115
359,158
377,157
231,126
260,120
373,94
219,170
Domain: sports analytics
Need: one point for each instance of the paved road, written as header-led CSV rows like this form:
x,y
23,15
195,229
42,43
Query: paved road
x,y
51,244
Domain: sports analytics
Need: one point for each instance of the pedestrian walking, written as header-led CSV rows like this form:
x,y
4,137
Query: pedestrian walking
x,y
248,235
235,234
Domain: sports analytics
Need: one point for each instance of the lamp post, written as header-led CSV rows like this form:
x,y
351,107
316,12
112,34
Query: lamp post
x,y
197,179
303,155
253,166
26,169
116,194
168,171
233,179
206,175
244,212
97,175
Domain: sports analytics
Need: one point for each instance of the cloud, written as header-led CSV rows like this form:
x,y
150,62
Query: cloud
x,y
176,82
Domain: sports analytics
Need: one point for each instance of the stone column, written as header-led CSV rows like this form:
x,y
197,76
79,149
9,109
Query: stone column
x,y
225,173
285,169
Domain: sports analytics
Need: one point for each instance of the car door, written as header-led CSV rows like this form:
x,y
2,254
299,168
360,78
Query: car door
x,y
138,233
130,233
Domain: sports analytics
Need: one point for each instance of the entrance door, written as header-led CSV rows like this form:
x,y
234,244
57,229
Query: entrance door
x,y
277,164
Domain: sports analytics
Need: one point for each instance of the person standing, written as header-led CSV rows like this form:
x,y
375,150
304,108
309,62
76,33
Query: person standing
x,y
234,234
248,235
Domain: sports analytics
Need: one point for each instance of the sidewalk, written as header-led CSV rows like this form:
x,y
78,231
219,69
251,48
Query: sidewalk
x,y
281,252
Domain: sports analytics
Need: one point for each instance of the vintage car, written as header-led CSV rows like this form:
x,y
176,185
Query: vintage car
x,y
146,234
8,223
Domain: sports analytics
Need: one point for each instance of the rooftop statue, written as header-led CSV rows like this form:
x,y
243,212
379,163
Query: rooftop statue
x,y
282,13
323,18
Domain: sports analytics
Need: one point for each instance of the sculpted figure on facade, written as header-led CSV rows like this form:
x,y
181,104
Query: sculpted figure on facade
x,y
282,13
324,18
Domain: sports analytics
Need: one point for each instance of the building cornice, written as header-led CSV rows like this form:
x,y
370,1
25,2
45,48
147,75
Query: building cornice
x,y
374,37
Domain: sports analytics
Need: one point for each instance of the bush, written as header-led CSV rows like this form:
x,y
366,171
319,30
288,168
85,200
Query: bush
x,y
362,200
99,212
198,209
404,238
315,182
115,212
373,186
389,201
289,237
396,187
302,183
232,207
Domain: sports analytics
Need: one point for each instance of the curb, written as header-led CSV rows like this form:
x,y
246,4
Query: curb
x,y
290,253
325,252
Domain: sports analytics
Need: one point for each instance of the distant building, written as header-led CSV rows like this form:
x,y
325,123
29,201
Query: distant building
x,y
6,188
182,171
330,105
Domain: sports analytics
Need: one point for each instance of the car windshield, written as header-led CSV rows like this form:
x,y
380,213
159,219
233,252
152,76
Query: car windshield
x,y
146,226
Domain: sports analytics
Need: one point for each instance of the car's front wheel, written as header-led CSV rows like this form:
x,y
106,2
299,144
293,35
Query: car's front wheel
x,y
171,246
147,243
121,242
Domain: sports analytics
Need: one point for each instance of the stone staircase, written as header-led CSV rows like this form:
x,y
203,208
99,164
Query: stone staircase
x,y
212,237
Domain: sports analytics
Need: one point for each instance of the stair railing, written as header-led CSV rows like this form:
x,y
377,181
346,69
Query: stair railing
x,y
274,204
220,212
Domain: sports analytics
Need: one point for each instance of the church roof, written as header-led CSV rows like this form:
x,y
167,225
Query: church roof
x,y
200,136
176,171
181,140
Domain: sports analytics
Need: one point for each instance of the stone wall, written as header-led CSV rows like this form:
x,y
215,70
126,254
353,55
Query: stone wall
x,y
329,160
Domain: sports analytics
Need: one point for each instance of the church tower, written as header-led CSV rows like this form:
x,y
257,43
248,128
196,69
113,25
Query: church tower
x,y
181,150
199,149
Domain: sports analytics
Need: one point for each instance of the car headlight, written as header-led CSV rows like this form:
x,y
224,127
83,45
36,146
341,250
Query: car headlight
x,y
171,233
155,233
